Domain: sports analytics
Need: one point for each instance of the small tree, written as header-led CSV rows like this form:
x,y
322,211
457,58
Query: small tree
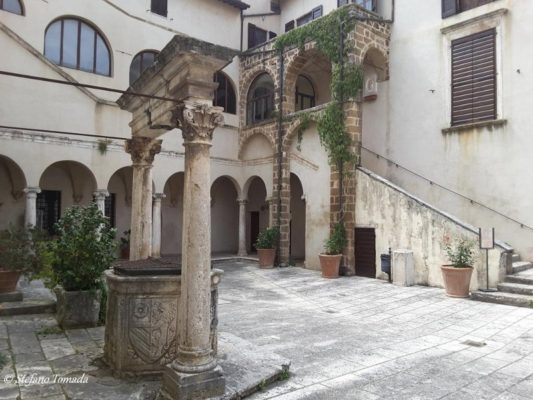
x,y
337,240
267,238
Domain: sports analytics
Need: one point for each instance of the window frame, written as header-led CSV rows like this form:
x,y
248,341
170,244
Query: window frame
x,y
254,28
97,33
141,54
449,8
374,9
152,8
21,4
300,96
252,102
228,84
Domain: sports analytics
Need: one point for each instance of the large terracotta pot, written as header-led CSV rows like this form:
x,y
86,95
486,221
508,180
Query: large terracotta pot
x,y
330,265
8,281
456,280
266,257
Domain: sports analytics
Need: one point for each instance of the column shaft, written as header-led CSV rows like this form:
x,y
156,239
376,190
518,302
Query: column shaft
x,y
156,225
242,228
30,215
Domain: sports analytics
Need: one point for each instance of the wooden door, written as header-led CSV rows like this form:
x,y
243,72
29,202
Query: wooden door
x,y
365,252
254,228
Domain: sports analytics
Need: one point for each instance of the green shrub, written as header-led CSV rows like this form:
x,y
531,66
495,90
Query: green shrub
x,y
83,250
21,249
268,238
460,251
337,240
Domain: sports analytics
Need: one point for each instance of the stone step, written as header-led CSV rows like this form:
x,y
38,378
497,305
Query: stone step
x,y
516,257
510,299
520,266
519,288
27,307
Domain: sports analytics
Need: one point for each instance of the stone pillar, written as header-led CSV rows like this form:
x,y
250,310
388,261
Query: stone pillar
x,y
242,227
270,202
403,267
143,151
156,225
99,197
195,370
30,216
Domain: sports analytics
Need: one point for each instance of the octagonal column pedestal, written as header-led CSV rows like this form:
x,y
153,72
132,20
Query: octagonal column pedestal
x,y
194,373
143,151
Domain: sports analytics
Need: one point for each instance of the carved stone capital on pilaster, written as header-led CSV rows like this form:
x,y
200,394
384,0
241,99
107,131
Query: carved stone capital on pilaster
x,y
32,192
101,194
197,121
159,196
143,149
242,202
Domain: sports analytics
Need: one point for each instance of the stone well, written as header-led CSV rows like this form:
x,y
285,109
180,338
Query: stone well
x,y
141,326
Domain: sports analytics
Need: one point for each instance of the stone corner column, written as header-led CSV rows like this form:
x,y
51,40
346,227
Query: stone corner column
x,y
99,197
156,224
195,368
30,215
143,151
242,227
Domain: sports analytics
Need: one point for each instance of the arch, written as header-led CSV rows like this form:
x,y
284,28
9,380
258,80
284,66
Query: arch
x,y
15,176
375,58
74,42
248,183
231,179
142,60
12,182
249,135
71,169
224,216
13,6
122,180
260,99
225,96
292,131
297,222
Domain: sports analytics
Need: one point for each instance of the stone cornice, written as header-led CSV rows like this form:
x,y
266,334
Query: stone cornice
x,y
461,24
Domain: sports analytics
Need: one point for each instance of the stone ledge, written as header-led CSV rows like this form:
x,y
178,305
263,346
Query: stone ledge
x,y
475,125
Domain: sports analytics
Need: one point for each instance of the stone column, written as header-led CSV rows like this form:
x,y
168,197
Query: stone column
x,y
242,227
30,216
99,197
143,151
270,202
195,368
156,225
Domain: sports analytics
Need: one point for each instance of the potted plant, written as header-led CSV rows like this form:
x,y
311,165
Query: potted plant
x,y
19,254
125,245
265,245
84,249
458,273
331,260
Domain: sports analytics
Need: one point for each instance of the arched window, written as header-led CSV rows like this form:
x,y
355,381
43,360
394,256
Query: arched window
x,y
225,94
140,62
12,6
260,102
305,93
72,43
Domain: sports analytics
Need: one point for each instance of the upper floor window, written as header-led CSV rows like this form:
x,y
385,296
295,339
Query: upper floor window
x,y
140,62
305,93
260,102
452,7
12,6
159,7
256,36
75,44
225,94
313,14
370,5
474,78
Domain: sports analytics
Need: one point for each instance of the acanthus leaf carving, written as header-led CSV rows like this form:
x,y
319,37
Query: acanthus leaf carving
x,y
143,149
197,121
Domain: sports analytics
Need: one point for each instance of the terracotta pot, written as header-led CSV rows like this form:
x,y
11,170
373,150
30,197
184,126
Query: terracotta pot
x,y
330,265
266,257
456,280
8,281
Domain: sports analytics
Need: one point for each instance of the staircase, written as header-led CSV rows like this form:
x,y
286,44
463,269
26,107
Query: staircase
x,y
516,290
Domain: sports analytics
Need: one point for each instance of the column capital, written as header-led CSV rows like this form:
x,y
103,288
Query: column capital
x,y
159,196
142,149
197,121
32,190
242,202
101,194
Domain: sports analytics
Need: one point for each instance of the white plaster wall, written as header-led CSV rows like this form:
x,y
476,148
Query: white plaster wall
x,y
404,222
224,217
488,165
311,166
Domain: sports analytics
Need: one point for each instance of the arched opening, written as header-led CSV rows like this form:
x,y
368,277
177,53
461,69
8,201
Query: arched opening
x,y
305,93
12,182
140,62
224,216
297,221
257,215
172,215
256,147
225,94
260,99
12,6
118,203
63,185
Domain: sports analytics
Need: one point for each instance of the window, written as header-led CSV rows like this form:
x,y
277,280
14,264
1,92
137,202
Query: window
x,y
140,62
256,36
474,78
260,102
48,209
225,94
75,44
370,5
109,209
12,6
313,14
305,93
275,7
289,26
159,7
452,7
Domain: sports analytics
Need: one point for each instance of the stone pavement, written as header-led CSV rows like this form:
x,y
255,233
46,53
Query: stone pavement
x,y
350,338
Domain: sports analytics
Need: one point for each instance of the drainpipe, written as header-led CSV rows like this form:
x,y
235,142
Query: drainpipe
x,y
280,149
340,164
242,28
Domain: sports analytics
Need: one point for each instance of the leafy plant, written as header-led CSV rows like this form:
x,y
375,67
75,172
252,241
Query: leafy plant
x,y
337,240
21,249
102,146
83,250
267,238
460,251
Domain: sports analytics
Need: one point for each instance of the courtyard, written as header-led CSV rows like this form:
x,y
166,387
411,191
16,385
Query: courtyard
x,y
349,338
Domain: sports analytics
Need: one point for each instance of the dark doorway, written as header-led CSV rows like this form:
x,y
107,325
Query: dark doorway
x,y
254,229
48,209
365,252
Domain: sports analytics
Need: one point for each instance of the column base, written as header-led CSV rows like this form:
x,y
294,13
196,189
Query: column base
x,y
178,385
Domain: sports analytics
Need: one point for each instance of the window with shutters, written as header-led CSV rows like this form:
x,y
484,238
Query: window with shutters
x,y
310,16
159,7
256,36
289,26
370,5
473,85
453,7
